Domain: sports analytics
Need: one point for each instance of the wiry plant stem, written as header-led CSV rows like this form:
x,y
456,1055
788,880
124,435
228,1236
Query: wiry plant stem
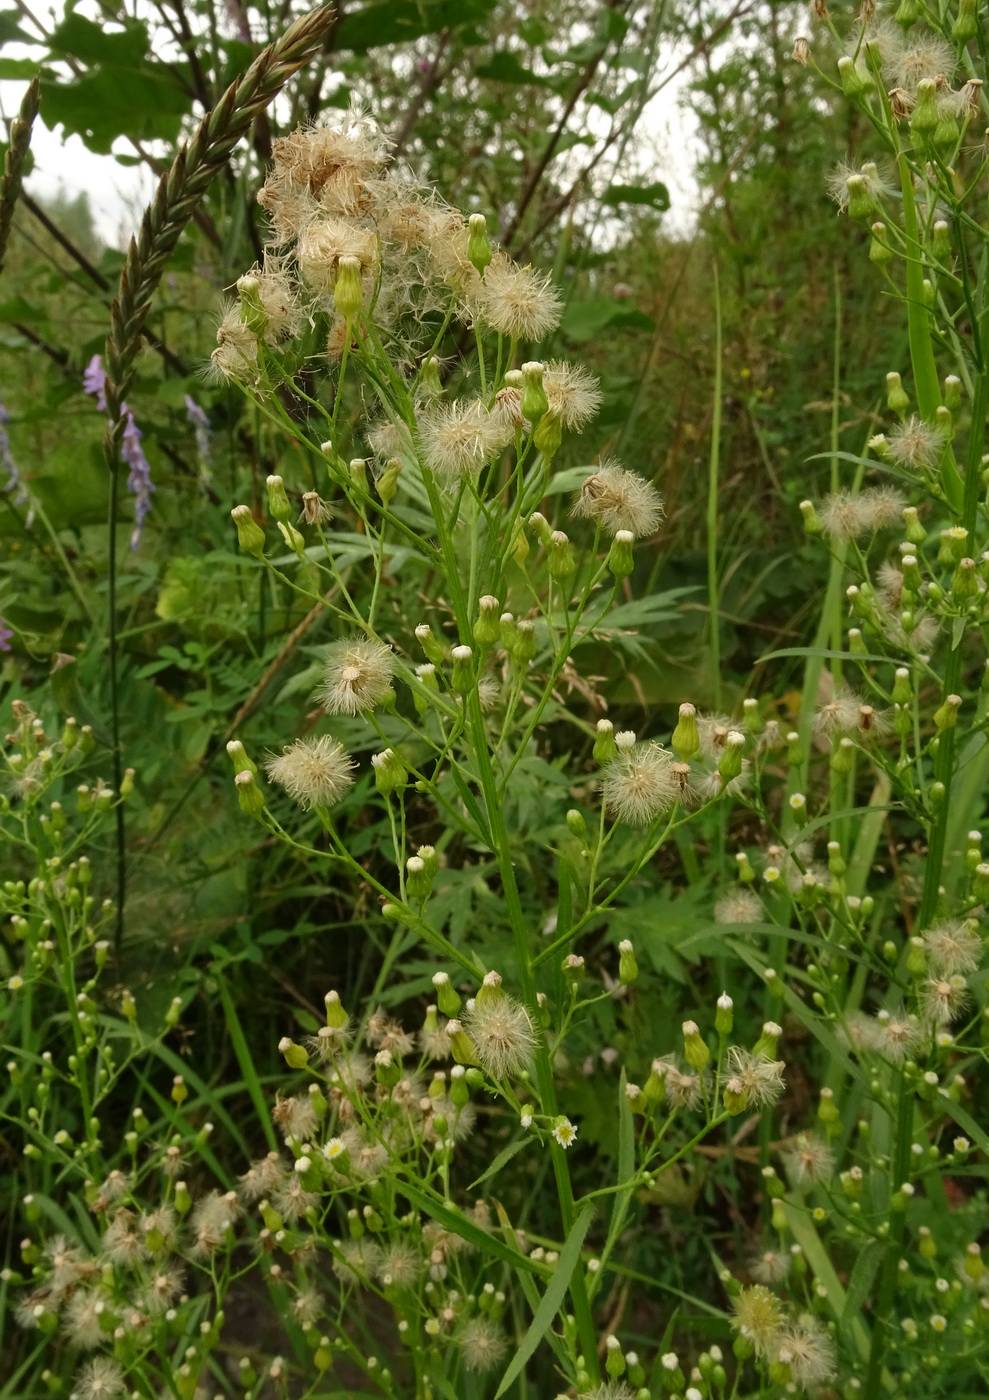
x,y
176,199
13,165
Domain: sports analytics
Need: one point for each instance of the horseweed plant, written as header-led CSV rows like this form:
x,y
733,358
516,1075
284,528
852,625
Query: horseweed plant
x,y
858,1279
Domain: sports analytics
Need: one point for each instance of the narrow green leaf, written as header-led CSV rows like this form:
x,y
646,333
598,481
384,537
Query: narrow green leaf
x,y
817,1257
552,1299
243,1053
503,1157
437,1209
863,1274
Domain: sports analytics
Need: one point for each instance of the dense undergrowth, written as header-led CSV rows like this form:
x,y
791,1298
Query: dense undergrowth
x,y
493,882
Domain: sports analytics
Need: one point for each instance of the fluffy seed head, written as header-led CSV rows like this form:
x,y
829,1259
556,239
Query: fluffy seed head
x,y
866,177
517,301
915,444
846,515
953,947
482,1343
638,785
741,906
357,676
759,1318
573,393
770,1267
810,1160
620,500
456,439
926,55
760,1077
503,1036
808,1351
314,772
99,1379
896,1037
942,998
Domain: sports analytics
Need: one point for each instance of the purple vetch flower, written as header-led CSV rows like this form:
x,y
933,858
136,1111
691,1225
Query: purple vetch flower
x,y
139,481
94,381
14,485
201,423
5,636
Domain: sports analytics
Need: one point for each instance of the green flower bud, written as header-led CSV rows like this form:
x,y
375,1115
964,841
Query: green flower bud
x,y
746,874
295,541
620,561
812,523
853,83
767,1042
487,629
915,532
856,642
952,392
731,760
685,740
525,648
459,1089
388,480
252,312
249,795
628,968
534,402
941,242
605,747
447,997
896,396
478,243
695,1051
548,436
429,376
462,679
542,528
614,1361
239,758
946,716
250,536
965,581
296,1057
751,716
735,1097
418,883
561,563
348,290
434,650
924,117
860,202
278,502
461,1045
842,757
724,1016
879,250
390,773
794,752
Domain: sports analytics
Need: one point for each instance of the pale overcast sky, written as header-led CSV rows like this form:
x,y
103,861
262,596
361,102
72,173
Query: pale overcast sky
x,y
118,193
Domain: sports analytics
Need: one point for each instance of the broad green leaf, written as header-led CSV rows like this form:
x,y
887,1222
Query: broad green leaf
x,y
552,1299
401,21
93,43
504,67
586,319
10,30
654,196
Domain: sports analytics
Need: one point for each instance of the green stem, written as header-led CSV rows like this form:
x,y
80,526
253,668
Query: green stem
x,y
712,502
